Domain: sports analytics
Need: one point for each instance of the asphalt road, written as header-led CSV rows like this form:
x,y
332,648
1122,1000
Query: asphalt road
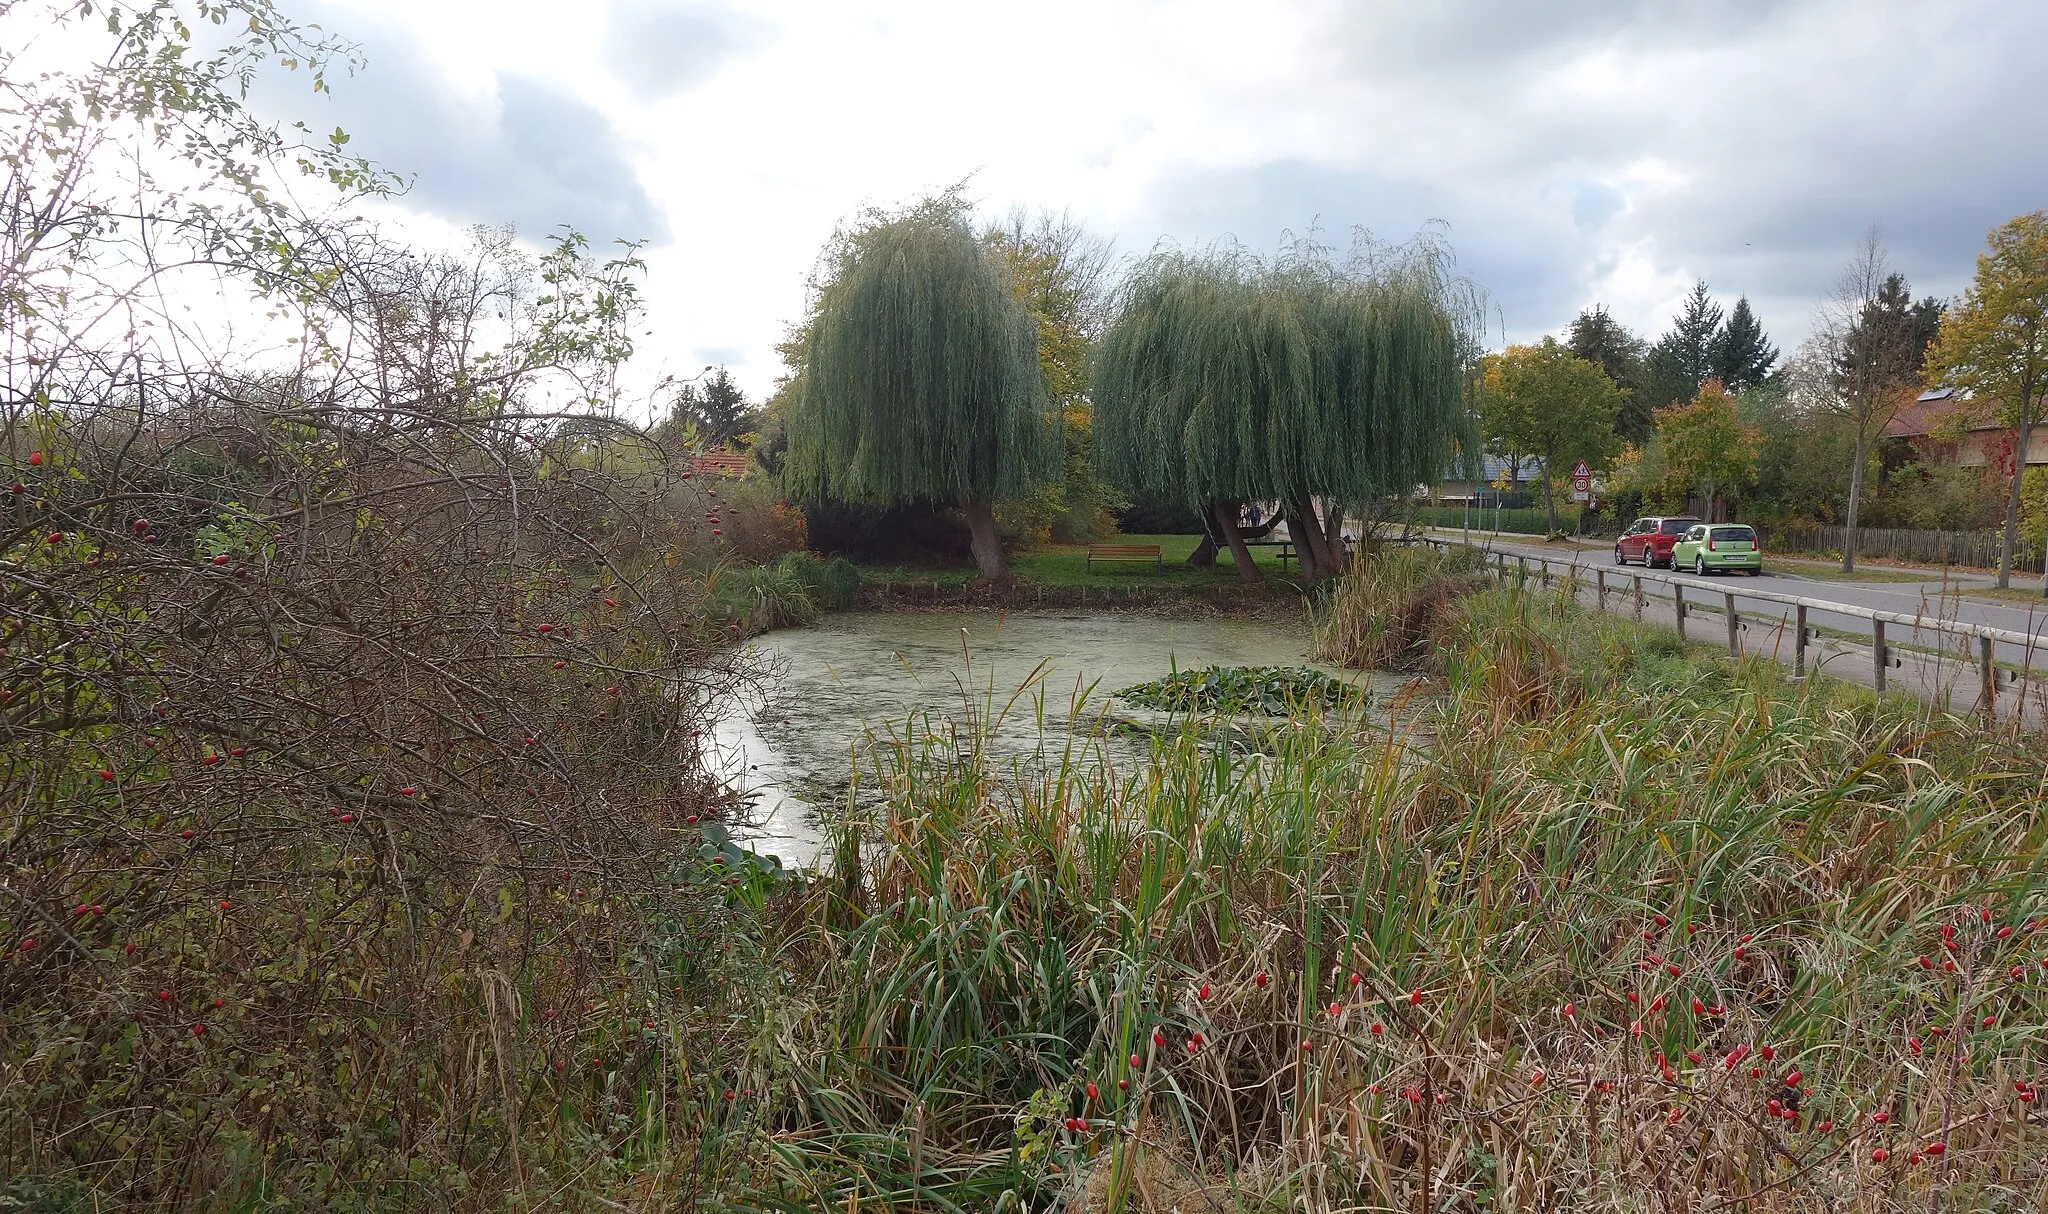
x,y
1922,599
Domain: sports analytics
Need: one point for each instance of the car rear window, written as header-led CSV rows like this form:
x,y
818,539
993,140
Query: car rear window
x,y
1734,534
1677,526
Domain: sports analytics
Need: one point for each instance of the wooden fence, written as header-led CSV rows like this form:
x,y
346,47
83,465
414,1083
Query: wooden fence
x,y
2005,660
1976,549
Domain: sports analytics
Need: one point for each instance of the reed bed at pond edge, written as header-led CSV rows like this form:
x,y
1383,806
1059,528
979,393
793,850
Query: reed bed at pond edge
x,y
1584,918
1641,928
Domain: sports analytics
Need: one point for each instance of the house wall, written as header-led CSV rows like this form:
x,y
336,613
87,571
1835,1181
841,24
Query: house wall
x,y
1978,446
1457,493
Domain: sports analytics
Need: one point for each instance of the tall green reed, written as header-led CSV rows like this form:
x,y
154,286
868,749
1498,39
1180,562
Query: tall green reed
x,y
1329,965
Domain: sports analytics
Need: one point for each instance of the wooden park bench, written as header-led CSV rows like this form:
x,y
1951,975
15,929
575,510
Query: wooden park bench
x,y
1124,554
1286,548
1287,553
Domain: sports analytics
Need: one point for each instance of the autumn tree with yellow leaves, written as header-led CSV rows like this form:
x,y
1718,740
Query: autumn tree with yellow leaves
x,y
1541,400
1705,447
1058,270
1994,345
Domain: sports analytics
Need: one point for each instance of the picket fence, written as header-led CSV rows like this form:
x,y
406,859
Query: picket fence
x,y
1974,549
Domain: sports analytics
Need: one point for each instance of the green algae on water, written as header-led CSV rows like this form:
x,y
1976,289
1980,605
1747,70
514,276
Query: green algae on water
x,y
1275,691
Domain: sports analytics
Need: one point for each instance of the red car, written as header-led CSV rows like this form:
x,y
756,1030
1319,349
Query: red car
x,y
1649,540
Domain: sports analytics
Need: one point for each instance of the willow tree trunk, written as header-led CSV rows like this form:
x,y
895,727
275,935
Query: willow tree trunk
x,y
981,531
1307,533
1304,548
1204,555
1225,514
1333,537
1326,552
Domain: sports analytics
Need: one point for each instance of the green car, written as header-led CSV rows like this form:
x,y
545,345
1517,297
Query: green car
x,y
1712,547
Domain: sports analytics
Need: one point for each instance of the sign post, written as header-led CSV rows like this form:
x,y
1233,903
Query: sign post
x,y
1582,482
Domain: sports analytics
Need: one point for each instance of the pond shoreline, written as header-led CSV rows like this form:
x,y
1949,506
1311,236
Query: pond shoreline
x,y
1031,678
1227,602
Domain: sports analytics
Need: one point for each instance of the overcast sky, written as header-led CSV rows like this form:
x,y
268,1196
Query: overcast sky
x,y
1578,150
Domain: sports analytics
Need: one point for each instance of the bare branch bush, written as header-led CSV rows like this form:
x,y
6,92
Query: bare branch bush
x,y
1846,369
336,701
351,656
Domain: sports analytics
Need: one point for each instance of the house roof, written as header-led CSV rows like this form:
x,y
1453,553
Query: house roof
x,y
1919,418
721,463
1491,466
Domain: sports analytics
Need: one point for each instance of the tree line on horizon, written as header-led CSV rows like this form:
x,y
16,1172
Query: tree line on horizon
x,y
1709,416
1210,378
1213,378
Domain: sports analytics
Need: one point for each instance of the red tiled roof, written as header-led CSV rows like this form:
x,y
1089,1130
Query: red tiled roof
x,y
1918,418
721,463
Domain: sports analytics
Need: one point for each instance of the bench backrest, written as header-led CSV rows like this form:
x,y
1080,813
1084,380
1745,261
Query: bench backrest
x,y
1123,549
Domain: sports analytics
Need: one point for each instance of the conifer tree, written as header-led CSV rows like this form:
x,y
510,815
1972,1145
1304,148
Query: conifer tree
x,y
1865,356
1892,333
1682,359
1740,356
718,412
1599,338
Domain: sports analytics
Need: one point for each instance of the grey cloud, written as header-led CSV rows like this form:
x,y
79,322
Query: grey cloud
x,y
1785,189
1466,36
1787,127
1497,241
538,159
569,162
1256,205
662,49
1595,204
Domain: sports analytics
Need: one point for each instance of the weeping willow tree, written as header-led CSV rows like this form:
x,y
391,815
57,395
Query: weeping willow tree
x,y
1223,379
919,379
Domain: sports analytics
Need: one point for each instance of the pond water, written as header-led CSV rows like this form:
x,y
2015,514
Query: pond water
x,y
790,749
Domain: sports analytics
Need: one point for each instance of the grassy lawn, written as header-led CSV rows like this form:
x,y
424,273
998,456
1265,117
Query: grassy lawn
x,y
1067,565
2026,596
1821,571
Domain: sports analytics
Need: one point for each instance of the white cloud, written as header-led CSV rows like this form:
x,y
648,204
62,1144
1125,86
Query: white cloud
x,y
663,48
1579,149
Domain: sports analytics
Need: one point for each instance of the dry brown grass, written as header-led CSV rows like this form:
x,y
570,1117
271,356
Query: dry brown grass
x,y
1387,606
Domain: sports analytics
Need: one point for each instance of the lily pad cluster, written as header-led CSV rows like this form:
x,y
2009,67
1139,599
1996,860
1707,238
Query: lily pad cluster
x,y
722,863
1273,690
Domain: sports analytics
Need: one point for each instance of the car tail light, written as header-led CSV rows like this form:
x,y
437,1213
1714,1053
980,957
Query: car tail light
x,y
1710,544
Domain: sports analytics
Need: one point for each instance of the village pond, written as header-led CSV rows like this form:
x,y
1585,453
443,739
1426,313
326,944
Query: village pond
x,y
1034,680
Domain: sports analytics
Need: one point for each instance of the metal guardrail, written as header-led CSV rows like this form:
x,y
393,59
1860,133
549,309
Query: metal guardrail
x,y
1987,637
